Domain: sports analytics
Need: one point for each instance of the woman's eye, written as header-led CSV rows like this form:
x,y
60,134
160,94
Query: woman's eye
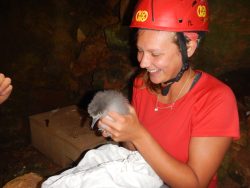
x,y
139,51
155,54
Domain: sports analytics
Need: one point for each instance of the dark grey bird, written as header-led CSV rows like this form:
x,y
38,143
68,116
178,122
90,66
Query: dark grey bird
x,y
107,101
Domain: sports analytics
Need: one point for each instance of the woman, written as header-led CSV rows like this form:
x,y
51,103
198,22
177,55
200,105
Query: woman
x,y
182,120
5,88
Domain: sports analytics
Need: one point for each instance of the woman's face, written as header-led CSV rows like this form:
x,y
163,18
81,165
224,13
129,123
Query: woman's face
x,y
158,54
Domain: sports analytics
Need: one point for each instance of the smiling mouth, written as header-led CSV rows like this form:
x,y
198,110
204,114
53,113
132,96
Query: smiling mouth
x,y
152,70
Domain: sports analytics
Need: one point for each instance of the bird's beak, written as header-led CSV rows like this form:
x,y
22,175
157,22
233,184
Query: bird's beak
x,y
94,121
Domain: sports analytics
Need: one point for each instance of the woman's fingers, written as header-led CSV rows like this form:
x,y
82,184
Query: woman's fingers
x,y
103,128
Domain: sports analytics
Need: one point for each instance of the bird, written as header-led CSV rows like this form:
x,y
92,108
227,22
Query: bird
x,y
106,101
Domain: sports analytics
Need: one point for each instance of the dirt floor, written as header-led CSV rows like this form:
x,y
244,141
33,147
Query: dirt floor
x,y
18,161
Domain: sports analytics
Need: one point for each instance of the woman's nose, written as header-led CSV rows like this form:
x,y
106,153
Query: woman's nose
x,y
143,60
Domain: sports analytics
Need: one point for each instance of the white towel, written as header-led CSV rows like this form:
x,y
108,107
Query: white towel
x,y
109,166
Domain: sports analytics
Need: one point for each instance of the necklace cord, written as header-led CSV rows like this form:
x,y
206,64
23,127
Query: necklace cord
x,y
172,103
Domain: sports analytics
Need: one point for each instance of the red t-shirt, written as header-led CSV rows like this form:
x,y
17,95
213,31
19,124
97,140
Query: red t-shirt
x,y
208,109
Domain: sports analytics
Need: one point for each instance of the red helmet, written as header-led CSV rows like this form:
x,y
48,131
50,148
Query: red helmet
x,y
171,15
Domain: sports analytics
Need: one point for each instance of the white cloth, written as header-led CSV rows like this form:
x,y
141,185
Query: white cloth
x,y
109,166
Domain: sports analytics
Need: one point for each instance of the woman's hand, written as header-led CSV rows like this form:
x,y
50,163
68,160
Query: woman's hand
x,y
121,128
5,88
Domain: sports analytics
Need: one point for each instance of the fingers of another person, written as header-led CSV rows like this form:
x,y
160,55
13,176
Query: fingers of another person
x,y
5,85
5,88
6,91
4,95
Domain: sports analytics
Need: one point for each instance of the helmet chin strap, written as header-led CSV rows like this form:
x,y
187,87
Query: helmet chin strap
x,y
185,65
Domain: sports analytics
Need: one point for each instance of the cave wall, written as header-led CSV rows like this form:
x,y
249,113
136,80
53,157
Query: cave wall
x,y
226,46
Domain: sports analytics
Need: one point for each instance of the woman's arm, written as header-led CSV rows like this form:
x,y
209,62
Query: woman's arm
x,y
129,146
205,153
205,157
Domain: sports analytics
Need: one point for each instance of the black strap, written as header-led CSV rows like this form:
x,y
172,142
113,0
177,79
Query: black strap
x,y
196,78
185,65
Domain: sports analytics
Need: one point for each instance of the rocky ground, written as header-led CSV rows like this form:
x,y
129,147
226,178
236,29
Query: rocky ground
x,y
18,161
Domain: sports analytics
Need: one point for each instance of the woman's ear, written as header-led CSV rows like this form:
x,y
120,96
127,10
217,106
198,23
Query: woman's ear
x,y
191,47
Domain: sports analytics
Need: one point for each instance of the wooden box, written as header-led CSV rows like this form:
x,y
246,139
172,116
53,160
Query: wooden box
x,y
61,135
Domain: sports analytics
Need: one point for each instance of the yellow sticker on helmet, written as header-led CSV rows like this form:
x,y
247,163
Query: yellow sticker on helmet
x,y
141,16
201,11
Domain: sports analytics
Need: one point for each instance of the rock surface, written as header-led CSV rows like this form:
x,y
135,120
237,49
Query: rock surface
x,y
30,180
